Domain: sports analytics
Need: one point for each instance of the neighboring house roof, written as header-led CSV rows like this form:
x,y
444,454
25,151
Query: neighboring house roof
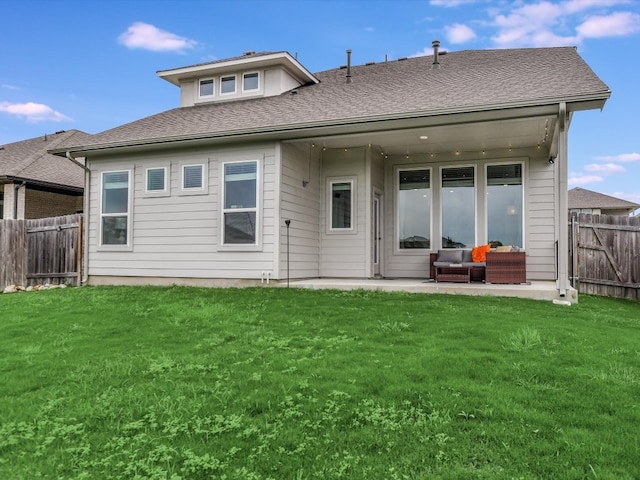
x,y
466,81
29,161
583,198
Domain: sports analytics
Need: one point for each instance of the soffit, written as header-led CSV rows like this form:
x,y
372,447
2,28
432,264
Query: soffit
x,y
466,137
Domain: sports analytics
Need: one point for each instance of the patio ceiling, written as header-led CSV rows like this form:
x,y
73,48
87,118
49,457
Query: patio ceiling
x,y
466,137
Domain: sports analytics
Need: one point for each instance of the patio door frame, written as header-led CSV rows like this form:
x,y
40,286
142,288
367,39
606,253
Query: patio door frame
x,y
376,234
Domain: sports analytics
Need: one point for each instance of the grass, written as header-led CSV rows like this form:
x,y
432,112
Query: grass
x,y
169,383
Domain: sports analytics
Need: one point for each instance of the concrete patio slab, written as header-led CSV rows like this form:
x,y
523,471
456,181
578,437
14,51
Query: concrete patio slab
x,y
537,290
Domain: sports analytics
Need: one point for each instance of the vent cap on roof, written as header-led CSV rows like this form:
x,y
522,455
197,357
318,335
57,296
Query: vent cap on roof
x,y
436,45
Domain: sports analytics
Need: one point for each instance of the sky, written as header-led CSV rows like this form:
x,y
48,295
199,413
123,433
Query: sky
x,y
91,64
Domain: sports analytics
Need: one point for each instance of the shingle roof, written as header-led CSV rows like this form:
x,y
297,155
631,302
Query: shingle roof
x,y
583,198
28,160
472,80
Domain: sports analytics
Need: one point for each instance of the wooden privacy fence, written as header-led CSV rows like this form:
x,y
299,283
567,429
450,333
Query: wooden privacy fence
x,y
605,255
39,251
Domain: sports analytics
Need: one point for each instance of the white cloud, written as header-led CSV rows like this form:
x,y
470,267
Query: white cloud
x,y
573,6
617,24
532,25
580,179
459,33
556,23
605,168
624,157
148,37
9,87
33,112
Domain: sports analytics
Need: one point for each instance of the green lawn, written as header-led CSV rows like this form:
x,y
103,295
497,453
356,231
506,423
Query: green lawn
x,y
274,383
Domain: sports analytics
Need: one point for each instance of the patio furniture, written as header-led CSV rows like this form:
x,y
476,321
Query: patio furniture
x,y
457,257
453,273
499,267
506,267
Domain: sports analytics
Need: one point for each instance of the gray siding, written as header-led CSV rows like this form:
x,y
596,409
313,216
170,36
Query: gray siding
x,y
300,204
344,254
541,197
178,235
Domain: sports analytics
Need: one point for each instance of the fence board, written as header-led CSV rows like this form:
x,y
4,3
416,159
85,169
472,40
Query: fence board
x,y
606,250
13,252
44,250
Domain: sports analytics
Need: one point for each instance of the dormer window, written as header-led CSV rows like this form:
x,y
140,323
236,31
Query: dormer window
x,y
206,88
250,81
228,84
238,78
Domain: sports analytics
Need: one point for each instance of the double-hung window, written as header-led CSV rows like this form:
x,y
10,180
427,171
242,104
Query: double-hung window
x,y
414,208
115,208
504,204
240,207
458,207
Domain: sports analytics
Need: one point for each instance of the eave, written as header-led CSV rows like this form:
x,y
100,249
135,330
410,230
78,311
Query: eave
x,y
378,123
42,185
295,68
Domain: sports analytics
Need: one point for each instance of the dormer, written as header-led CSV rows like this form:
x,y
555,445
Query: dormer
x,y
251,75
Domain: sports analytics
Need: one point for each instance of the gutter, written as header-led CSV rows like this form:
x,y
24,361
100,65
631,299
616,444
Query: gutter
x,y
85,224
552,104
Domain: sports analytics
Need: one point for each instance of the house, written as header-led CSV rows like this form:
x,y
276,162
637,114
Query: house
x,y
267,171
37,184
582,200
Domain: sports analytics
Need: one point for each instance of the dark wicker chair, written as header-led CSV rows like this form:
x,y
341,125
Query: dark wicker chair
x,y
506,267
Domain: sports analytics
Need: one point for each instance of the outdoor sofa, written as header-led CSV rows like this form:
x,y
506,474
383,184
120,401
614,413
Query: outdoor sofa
x,y
502,265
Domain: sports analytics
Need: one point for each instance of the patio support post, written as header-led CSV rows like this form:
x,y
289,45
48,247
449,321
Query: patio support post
x,y
563,200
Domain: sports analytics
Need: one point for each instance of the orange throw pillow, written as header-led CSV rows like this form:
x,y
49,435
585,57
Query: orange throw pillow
x,y
479,254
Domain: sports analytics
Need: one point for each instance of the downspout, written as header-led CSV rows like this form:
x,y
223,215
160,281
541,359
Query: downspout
x,y
563,201
85,224
16,187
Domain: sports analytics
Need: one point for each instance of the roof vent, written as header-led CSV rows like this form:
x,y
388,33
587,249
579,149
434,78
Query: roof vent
x,y
248,52
436,46
349,66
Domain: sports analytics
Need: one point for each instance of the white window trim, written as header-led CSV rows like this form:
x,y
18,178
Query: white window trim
x,y
329,205
475,200
108,247
246,247
412,251
194,190
257,89
213,94
524,209
235,84
156,193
